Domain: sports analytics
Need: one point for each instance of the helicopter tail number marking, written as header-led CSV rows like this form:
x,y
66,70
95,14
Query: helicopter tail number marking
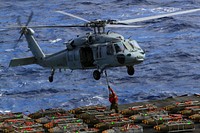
x,y
22,61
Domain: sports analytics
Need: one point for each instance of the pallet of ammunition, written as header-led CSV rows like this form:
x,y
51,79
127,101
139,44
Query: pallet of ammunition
x,y
109,131
18,115
62,121
50,117
87,108
142,116
21,125
8,124
30,130
108,118
102,118
43,113
92,113
136,109
94,117
107,125
181,105
131,128
176,126
89,130
73,127
190,110
162,118
27,125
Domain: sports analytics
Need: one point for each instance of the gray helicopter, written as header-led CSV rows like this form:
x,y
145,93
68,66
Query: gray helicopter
x,y
99,50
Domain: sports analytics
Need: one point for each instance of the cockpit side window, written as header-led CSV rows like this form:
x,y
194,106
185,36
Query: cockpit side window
x,y
117,48
110,50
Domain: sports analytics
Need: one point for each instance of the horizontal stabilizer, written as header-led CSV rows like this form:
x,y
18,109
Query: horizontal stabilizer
x,y
22,61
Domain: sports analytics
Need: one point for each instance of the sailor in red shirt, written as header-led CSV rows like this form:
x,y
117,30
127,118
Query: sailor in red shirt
x,y
113,100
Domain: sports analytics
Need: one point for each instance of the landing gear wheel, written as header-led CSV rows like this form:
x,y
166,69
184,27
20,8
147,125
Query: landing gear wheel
x,y
96,75
130,70
50,78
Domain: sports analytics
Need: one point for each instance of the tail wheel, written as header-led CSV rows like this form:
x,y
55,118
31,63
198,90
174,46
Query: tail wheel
x,y
130,70
96,75
52,74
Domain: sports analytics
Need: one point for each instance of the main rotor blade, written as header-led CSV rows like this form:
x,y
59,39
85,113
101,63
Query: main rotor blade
x,y
128,21
123,26
56,26
71,15
29,18
44,26
19,21
19,39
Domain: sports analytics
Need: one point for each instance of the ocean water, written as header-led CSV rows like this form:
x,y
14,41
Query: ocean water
x,y
171,67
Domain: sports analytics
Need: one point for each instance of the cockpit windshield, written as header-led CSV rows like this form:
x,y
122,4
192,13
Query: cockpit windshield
x,y
135,44
131,45
121,46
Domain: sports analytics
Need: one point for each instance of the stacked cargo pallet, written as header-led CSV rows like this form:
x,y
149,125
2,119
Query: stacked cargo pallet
x,y
138,118
176,126
155,120
178,106
137,109
128,128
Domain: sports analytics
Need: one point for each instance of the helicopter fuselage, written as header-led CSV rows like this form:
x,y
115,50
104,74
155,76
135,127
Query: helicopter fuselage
x,y
92,51
99,51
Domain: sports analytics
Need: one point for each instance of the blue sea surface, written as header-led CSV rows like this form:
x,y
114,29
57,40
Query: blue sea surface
x,y
171,67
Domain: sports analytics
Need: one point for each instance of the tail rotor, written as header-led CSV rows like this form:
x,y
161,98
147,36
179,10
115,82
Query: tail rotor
x,y
23,28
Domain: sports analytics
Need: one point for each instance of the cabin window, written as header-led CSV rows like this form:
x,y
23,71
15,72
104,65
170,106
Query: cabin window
x,y
110,50
117,48
99,52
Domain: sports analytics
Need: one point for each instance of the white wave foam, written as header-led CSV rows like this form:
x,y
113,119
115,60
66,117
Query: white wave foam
x,y
5,111
98,97
164,9
9,50
55,41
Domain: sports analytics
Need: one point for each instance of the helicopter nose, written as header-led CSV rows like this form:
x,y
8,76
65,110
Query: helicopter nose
x,y
135,57
140,57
